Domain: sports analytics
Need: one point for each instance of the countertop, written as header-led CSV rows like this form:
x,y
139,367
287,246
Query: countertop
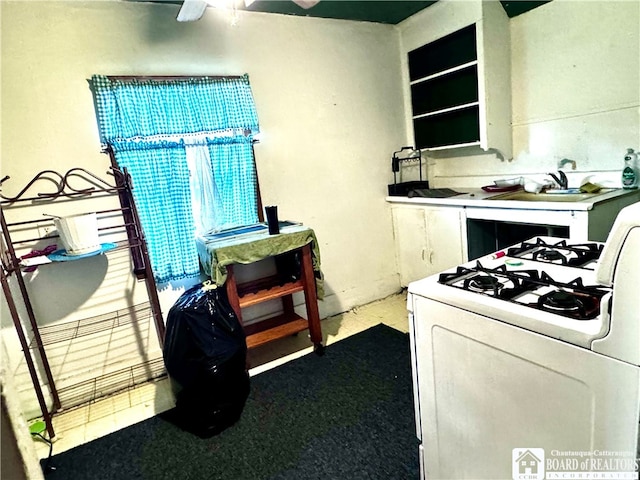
x,y
478,198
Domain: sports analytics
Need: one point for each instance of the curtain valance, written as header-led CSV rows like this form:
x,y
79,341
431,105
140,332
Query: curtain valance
x,y
141,107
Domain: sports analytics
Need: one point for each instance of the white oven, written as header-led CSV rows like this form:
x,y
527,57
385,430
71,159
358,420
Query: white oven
x,y
526,362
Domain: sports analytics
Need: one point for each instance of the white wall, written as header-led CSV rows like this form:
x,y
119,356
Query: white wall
x,y
329,101
575,88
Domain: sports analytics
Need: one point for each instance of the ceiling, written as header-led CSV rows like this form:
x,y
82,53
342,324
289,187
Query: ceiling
x,y
380,11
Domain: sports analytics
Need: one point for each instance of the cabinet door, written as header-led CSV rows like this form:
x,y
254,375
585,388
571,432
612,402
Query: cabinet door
x,y
410,243
444,236
428,240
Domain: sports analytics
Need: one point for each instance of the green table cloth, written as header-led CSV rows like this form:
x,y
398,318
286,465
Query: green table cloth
x,y
217,252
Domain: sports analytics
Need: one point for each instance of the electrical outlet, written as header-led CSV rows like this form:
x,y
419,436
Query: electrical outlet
x,y
45,230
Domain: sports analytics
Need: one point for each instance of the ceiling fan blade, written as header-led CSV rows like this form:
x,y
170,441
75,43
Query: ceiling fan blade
x,y
191,10
306,4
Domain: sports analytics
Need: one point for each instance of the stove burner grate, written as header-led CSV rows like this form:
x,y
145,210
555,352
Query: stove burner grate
x,y
550,255
574,255
577,305
561,300
496,282
482,283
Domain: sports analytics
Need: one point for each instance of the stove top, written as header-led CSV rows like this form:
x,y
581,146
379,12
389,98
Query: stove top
x,y
558,251
531,288
527,286
550,274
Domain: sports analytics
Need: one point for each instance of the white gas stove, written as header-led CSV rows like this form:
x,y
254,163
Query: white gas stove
x,y
536,349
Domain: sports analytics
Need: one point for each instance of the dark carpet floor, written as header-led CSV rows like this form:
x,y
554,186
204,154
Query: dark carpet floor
x,y
345,415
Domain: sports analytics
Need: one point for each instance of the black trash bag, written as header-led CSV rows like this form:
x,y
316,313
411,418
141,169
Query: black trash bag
x,y
205,354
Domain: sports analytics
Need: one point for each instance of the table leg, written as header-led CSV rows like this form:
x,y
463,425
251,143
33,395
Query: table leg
x,y
232,292
311,297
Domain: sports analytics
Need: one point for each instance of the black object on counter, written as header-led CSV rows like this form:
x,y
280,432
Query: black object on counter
x,y
205,353
406,155
433,193
403,189
272,219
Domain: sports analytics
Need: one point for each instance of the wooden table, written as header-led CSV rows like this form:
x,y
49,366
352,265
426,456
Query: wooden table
x,y
219,256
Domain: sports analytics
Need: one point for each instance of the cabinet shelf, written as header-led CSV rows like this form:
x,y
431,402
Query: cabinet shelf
x,y
447,110
444,72
453,127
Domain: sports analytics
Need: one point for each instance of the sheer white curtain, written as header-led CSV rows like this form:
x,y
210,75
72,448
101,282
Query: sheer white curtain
x,y
205,196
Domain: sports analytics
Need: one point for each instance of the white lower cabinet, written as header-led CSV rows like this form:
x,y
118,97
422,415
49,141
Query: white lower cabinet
x,y
428,240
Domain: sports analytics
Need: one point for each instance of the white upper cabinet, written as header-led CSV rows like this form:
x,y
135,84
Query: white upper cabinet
x,y
458,83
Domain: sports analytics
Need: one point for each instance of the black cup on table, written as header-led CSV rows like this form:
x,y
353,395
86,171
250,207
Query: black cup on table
x,y
272,219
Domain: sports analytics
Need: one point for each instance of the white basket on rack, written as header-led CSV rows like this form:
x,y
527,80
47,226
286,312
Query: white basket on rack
x,y
78,233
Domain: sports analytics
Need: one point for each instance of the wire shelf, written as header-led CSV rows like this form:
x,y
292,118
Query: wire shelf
x,y
111,383
87,326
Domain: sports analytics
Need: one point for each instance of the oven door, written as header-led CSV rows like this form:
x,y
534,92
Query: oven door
x,y
488,389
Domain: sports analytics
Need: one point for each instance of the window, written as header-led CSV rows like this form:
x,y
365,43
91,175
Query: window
x,y
188,145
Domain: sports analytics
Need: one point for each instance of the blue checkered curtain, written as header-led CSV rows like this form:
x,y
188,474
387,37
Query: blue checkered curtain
x,y
150,124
